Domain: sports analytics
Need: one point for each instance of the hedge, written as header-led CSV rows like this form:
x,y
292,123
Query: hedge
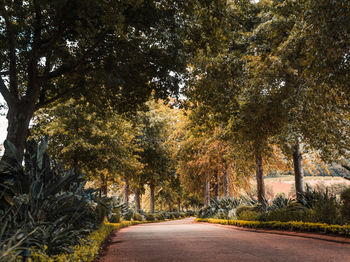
x,y
277,225
89,248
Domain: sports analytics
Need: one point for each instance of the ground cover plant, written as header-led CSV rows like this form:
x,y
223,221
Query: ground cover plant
x,y
49,206
315,206
289,226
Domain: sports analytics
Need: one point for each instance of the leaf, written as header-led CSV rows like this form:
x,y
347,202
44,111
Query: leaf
x,y
13,150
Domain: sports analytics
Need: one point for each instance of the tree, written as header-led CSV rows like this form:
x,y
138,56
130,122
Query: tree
x,y
155,125
120,50
313,112
102,146
258,81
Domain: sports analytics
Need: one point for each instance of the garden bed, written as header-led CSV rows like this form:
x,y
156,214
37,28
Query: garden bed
x,y
287,226
89,248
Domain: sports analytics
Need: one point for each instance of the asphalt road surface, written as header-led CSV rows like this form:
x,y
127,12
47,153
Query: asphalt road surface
x,y
184,240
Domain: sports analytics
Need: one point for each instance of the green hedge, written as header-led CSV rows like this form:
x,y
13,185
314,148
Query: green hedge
x,y
291,226
89,248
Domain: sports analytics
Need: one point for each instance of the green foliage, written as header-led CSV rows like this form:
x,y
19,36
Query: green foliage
x,y
99,144
150,217
137,217
286,214
325,206
100,50
280,201
345,197
222,207
126,212
101,213
243,208
87,249
115,216
248,215
190,213
50,205
277,225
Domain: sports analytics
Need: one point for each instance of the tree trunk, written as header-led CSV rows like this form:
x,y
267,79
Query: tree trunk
x,y
137,199
126,191
76,164
260,177
298,171
225,184
217,186
18,116
103,184
178,205
151,186
207,191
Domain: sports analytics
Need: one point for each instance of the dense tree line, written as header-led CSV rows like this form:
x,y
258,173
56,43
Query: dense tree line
x,y
263,82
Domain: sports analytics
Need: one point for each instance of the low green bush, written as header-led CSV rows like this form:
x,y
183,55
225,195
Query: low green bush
x,y
291,225
182,214
137,217
150,217
345,209
289,213
241,209
101,213
249,215
115,216
190,213
88,248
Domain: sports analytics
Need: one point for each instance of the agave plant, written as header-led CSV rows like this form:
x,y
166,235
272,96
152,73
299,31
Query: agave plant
x,y
280,201
44,199
222,208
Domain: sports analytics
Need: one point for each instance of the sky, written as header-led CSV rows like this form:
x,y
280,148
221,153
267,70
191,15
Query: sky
x,y
3,122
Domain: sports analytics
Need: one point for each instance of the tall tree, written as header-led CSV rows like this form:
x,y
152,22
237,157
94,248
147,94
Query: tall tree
x,y
120,50
102,146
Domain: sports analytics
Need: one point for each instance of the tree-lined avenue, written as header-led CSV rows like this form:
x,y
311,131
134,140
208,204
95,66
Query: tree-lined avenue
x,y
184,240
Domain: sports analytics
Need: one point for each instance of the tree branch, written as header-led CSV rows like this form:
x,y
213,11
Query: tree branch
x,y
346,167
68,68
66,92
12,54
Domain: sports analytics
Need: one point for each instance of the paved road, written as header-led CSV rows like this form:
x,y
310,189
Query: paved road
x,y
184,240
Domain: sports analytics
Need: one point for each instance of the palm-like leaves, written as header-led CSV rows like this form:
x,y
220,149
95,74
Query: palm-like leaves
x,y
43,199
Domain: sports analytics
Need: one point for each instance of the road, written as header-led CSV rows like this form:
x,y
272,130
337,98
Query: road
x,y
184,240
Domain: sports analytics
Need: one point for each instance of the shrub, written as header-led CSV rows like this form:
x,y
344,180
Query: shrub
x,y
291,225
115,216
286,214
345,209
241,209
85,251
190,213
43,198
126,212
223,206
150,217
101,213
248,215
137,217
325,207
280,201
160,216
327,211
182,214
